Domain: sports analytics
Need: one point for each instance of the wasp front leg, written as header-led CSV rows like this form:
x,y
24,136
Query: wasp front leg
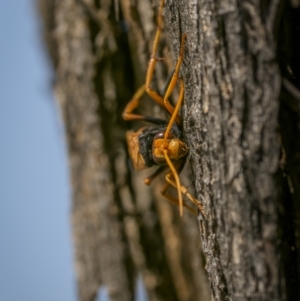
x,y
170,198
182,189
173,200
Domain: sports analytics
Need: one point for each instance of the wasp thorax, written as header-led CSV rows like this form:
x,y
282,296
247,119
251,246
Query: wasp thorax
x,y
174,147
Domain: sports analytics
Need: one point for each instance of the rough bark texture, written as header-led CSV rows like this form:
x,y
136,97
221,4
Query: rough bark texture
x,y
244,158
232,96
232,90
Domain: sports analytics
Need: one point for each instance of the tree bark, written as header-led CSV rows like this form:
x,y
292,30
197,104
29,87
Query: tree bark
x,y
241,115
232,92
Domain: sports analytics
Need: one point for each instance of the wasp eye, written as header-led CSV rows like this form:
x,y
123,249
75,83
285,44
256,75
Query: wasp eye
x,y
161,135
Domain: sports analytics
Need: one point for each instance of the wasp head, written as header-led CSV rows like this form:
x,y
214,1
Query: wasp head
x,y
176,148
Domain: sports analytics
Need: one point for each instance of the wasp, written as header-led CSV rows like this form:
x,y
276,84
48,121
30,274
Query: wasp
x,y
161,144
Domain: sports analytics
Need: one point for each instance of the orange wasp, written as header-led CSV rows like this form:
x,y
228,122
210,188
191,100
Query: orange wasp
x,y
160,144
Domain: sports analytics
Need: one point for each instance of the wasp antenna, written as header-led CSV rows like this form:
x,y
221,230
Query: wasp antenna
x,y
177,180
159,17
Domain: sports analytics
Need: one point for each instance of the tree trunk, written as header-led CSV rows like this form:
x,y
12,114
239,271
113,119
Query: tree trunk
x,y
241,116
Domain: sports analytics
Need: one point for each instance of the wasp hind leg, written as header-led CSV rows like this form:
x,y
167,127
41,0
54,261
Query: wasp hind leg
x,y
153,59
134,102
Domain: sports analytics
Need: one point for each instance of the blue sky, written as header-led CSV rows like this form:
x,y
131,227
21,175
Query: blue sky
x,y
35,249
36,256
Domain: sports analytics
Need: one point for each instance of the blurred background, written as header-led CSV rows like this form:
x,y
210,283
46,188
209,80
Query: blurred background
x,y
36,251
36,259
36,256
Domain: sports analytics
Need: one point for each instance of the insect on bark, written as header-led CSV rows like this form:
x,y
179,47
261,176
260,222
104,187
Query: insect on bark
x,y
163,143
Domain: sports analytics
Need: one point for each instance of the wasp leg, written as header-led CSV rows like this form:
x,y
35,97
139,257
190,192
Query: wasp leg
x,y
175,200
133,103
149,179
177,180
183,189
171,199
127,115
151,66
154,59
175,113
176,73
